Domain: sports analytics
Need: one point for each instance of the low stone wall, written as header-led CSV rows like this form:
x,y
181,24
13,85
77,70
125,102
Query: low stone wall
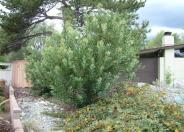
x,y
15,112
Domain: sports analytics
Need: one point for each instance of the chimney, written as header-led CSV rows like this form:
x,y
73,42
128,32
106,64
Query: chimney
x,y
168,39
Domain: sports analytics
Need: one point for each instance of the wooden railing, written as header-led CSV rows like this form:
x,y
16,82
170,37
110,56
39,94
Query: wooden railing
x,y
15,112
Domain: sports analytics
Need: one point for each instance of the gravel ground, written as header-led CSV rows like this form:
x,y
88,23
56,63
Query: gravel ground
x,y
33,107
32,112
175,92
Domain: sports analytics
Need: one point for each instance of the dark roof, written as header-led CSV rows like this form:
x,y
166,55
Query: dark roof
x,y
154,50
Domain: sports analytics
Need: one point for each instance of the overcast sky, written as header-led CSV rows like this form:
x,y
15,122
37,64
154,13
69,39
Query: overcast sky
x,y
164,15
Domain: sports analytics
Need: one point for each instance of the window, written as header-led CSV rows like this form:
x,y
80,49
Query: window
x,y
179,53
5,67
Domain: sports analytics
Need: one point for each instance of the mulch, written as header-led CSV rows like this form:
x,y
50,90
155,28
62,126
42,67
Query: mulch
x,y
5,126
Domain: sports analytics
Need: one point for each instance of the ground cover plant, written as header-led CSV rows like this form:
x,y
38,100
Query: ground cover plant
x,y
128,109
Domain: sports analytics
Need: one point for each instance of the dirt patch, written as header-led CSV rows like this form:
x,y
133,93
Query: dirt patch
x,y
5,126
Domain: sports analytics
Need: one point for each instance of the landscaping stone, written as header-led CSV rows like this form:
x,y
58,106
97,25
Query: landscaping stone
x,y
174,93
32,112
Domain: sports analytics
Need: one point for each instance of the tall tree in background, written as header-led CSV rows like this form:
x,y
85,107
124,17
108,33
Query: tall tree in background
x,y
19,18
23,15
157,41
75,9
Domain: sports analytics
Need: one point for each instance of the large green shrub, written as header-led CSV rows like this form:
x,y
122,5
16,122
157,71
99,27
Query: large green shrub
x,y
86,63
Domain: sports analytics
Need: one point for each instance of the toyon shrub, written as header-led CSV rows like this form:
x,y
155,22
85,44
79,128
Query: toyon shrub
x,y
88,60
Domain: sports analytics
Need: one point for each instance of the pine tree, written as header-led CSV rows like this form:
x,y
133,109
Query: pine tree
x,y
23,15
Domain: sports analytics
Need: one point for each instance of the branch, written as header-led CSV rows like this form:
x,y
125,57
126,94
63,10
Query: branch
x,y
39,21
17,42
47,17
4,102
36,35
64,2
54,17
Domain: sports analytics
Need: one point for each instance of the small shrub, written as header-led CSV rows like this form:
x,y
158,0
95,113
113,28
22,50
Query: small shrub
x,y
169,78
2,59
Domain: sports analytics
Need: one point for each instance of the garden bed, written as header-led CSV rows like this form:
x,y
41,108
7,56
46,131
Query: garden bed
x,y
129,108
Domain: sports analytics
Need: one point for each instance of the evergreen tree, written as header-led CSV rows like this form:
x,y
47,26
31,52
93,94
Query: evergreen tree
x,y
157,41
23,15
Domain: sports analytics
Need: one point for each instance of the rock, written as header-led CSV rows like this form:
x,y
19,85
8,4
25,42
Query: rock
x,y
175,93
140,84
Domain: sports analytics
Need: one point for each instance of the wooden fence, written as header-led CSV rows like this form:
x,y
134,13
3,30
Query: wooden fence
x,y
19,75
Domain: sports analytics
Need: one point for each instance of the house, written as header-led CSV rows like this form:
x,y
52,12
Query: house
x,y
6,72
162,63
14,74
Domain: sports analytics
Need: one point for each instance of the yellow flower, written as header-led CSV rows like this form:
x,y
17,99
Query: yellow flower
x,y
176,130
139,130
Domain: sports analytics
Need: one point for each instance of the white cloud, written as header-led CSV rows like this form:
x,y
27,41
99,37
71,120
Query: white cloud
x,y
163,15
157,29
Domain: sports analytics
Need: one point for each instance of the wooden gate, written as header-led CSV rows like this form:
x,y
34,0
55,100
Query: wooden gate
x,y
19,75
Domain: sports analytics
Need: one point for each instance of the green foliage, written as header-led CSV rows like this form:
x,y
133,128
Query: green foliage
x,y
38,43
168,78
85,65
1,92
2,59
21,16
55,39
75,12
2,107
3,41
157,41
19,55
128,109
17,20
